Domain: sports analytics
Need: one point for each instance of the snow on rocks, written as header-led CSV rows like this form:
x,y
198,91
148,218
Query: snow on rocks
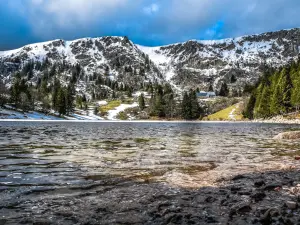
x,y
155,54
139,93
278,119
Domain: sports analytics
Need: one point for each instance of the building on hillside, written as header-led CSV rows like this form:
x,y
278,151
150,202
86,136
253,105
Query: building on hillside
x,y
203,94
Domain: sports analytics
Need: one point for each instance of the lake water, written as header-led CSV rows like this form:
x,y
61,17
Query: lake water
x,y
44,165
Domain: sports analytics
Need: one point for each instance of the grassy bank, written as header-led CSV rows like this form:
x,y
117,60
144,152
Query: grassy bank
x,y
110,106
233,112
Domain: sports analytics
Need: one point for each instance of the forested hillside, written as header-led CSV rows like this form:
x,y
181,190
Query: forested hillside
x,y
45,86
277,92
53,90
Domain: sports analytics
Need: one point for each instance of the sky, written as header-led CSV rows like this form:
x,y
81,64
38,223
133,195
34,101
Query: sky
x,y
145,22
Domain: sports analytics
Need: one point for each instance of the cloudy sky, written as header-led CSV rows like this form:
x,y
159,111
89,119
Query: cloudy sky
x,y
146,22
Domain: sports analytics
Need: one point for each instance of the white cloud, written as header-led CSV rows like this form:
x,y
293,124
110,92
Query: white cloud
x,y
166,20
151,9
66,12
51,17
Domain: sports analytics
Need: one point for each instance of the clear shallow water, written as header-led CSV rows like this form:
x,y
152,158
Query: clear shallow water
x,y
180,154
44,165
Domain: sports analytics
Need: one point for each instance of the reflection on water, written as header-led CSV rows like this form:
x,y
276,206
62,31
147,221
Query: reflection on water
x,y
184,154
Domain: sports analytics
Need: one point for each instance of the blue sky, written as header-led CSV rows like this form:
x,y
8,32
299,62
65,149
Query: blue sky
x,y
146,22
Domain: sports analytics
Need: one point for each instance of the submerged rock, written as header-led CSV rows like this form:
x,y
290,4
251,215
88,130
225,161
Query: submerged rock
x,y
288,135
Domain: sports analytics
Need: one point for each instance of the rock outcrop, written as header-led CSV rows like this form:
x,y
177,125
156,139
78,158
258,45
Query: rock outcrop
x,y
288,135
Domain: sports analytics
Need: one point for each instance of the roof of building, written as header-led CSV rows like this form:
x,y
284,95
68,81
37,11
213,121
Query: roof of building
x,y
206,94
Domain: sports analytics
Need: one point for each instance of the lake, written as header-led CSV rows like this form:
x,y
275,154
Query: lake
x,y
71,172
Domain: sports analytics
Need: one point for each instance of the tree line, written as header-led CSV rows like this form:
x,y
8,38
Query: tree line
x,y
43,86
164,103
43,96
277,92
46,87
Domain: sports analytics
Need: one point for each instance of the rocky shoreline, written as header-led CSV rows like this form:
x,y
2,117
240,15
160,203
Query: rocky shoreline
x,y
278,119
257,198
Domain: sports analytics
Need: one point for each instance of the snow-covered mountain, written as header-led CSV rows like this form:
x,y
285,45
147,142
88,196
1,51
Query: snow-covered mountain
x,y
189,64
195,63
113,56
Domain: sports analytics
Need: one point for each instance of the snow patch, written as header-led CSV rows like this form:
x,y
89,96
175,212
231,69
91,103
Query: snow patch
x,y
232,115
155,54
12,114
112,114
100,103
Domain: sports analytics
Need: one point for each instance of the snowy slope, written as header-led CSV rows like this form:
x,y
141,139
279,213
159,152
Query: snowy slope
x,y
202,62
93,54
189,64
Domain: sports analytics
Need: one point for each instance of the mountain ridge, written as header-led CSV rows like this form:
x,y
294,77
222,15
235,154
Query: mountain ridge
x,y
164,45
190,64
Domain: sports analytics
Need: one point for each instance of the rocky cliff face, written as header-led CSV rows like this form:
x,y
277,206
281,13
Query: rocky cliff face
x,y
189,64
198,63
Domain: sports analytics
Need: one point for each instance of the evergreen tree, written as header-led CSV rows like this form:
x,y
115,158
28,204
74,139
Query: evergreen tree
x,y
170,106
70,98
15,89
264,103
287,86
233,79
159,106
55,90
61,102
276,106
3,94
195,108
19,93
96,110
79,102
186,112
107,71
258,98
224,90
295,98
248,112
129,93
152,105
158,103
142,102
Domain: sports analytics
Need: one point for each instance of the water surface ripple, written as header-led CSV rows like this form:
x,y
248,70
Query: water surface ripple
x,y
53,160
